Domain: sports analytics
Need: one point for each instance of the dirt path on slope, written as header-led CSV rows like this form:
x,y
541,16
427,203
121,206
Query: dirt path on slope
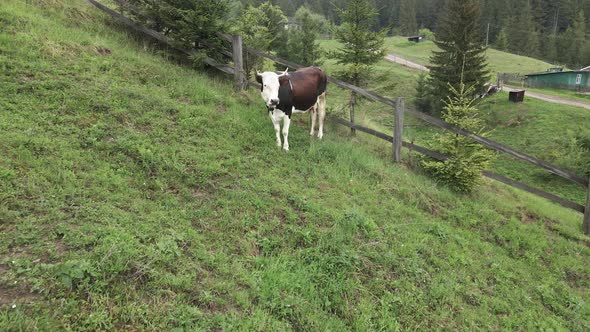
x,y
548,98
405,62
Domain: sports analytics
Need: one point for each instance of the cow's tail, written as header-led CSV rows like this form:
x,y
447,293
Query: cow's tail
x,y
321,103
323,83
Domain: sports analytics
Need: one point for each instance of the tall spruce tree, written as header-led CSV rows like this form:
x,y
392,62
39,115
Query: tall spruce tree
x,y
462,54
523,37
407,17
362,46
502,40
579,39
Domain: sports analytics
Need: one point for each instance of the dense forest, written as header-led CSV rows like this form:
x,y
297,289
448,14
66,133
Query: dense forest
x,y
554,30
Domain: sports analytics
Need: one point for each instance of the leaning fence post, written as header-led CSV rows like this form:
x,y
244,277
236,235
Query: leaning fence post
x,y
352,103
587,213
238,62
398,129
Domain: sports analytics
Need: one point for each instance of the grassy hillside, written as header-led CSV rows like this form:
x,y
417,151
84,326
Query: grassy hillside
x,y
498,61
136,194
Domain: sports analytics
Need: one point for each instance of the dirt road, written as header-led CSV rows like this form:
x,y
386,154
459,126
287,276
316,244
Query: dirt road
x,y
551,99
548,98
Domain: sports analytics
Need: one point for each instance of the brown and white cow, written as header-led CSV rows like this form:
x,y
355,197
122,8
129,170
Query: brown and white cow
x,y
297,92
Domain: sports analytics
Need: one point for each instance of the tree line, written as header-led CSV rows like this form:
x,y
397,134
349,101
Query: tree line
x,y
557,31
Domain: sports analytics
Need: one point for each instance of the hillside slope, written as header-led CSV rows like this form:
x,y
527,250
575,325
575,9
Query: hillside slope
x,y
136,194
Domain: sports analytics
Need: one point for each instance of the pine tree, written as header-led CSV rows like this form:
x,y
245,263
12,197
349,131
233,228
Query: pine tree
x,y
579,39
466,158
422,101
502,40
549,48
462,54
362,47
523,37
407,17
586,53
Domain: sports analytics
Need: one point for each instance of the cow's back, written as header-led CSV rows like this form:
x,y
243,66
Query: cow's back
x,y
307,84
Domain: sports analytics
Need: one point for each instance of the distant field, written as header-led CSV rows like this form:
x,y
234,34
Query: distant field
x,y
498,61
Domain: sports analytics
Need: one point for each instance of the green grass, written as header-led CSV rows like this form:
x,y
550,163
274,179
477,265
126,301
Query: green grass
x,y
136,194
498,61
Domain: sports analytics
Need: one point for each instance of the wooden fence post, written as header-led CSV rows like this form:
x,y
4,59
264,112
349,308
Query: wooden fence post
x,y
398,130
238,62
352,103
587,213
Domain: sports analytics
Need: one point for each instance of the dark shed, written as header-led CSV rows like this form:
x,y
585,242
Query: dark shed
x,y
416,39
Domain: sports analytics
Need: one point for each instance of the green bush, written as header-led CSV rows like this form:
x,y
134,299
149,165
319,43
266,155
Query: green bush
x,y
426,33
574,152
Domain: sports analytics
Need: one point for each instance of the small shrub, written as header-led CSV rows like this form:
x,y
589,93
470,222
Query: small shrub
x,y
574,152
422,101
72,272
426,33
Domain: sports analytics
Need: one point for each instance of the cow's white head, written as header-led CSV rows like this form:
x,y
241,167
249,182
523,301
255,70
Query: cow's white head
x,y
270,87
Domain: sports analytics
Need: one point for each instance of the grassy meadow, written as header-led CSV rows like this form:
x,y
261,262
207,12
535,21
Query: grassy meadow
x,y
137,194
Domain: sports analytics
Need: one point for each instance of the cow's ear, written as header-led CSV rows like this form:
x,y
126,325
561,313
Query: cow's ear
x,y
258,77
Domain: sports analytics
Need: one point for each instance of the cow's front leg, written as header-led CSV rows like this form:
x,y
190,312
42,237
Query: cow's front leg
x,y
286,123
276,123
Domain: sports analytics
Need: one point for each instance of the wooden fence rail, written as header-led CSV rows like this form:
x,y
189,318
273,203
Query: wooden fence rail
x,y
237,70
160,37
439,156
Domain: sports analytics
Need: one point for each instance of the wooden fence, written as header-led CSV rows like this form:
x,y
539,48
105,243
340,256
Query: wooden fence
x,y
515,79
399,110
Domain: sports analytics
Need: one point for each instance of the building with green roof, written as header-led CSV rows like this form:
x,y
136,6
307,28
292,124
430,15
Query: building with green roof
x,y
570,79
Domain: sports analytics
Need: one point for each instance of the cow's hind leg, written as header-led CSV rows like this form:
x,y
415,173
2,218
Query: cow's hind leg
x,y
276,123
286,123
314,116
321,106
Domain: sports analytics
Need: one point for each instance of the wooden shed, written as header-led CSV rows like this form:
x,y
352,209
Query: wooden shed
x,y
570,80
